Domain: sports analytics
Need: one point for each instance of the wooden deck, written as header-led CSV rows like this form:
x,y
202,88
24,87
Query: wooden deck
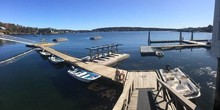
x,y
105,71
144,83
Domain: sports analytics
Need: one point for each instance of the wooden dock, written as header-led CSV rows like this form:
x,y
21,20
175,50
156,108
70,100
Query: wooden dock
x,y
150,50
105,71
147,50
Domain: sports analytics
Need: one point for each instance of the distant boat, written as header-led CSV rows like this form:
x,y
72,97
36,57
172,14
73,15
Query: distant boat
x,y
82,75
181,83
95,38
44,53
60,39
55,59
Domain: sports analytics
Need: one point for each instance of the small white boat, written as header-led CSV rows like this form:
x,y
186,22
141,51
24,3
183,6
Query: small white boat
x,y
87,58
181,83
83,75
45,53
159,53
55,59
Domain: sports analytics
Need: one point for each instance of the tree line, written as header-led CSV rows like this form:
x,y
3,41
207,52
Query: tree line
x,y
9,28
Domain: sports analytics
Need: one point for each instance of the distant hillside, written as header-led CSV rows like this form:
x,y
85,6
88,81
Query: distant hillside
x,y
131,29
9,28
108,29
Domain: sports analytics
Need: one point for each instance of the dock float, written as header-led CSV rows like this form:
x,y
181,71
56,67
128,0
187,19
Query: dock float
x,y
147,50
112,59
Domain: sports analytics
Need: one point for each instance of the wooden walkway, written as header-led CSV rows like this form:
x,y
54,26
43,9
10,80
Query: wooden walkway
x,y
144,83
105,71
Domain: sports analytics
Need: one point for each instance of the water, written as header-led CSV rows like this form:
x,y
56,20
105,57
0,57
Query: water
x,y
32,82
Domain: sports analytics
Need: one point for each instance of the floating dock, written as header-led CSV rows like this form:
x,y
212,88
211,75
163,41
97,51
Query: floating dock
x,y
112,59
105,71
147,50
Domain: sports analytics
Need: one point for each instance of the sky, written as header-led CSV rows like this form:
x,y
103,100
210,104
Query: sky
x,y
92,14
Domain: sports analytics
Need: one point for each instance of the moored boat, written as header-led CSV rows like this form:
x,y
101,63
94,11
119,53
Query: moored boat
x,y
95,37
60,39
44,53
180,82
83,75
55,59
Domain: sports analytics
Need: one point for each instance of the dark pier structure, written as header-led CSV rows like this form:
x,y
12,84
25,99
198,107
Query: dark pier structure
x,y
181,39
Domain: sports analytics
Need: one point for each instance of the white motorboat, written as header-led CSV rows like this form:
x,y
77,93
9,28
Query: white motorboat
x,y
159,53
181,83
83,75
55,59
45,53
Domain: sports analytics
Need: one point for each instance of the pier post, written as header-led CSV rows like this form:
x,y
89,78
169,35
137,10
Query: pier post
x,y
191,35
181,38
149,41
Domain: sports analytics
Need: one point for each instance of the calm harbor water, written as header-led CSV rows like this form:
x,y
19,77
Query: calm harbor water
x,y
33,83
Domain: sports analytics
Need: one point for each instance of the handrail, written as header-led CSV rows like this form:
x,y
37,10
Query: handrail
x,y
180,102
124,99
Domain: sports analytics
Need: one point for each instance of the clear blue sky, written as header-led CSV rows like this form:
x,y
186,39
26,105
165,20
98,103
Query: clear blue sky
x,y
91,14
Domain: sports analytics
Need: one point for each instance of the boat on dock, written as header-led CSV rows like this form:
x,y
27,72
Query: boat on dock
x,y
55,59
44,53
180,82
95,38
82,75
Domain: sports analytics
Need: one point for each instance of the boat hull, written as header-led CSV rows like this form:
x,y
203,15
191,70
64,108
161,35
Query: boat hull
x,y
181,83
83,76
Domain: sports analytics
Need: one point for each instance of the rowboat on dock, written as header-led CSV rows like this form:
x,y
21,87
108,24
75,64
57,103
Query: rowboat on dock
x,y
55,59
82,75
44,53
181,83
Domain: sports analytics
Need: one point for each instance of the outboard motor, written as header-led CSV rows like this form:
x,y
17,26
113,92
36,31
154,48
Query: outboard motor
x,y
168,67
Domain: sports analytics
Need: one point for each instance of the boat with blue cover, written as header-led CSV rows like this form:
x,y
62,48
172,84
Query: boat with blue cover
x,y
83,75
